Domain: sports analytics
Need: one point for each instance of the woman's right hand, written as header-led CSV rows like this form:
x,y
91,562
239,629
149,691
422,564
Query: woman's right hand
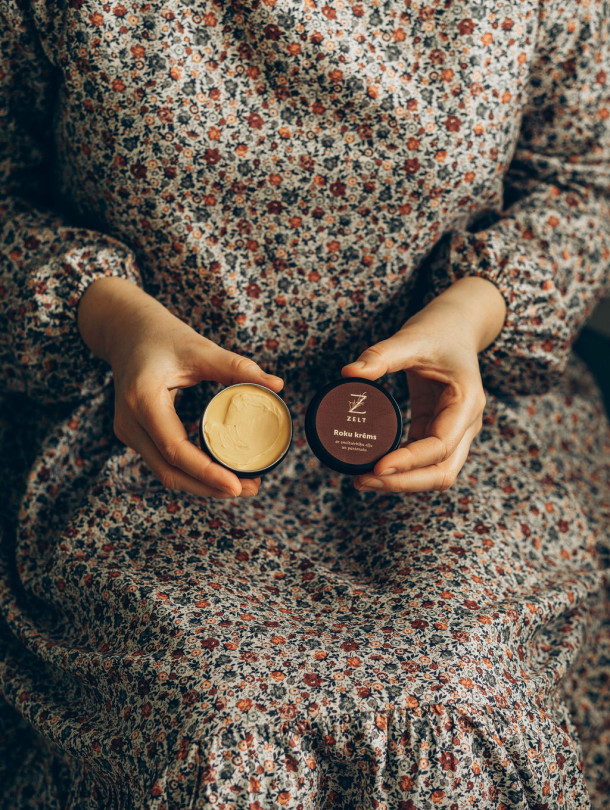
x,y
153,354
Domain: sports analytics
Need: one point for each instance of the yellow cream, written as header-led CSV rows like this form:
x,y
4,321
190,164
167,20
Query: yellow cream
x,y
247,427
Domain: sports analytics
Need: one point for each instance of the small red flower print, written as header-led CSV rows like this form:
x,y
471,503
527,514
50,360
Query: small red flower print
x,y
272,32
426,13
411,166
453,123
288,711
406,783
292,764
209,643
466,26
448,761
349,646
211,156
312,679
138,170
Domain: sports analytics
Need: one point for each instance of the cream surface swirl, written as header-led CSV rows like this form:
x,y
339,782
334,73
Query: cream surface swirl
x,y
247,427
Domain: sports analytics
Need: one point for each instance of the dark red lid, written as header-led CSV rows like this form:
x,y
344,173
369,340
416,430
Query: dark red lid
x,y
351,423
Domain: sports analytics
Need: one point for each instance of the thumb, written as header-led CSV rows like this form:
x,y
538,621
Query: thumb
x,y
229,368
396,353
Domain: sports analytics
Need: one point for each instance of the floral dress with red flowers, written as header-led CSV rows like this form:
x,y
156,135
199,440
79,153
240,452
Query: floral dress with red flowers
x,y
294,178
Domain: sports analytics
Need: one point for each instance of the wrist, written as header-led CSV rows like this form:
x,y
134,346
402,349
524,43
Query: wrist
x,y
479,308
108,307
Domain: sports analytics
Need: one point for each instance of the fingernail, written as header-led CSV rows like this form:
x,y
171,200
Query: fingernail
x,y
372,482
358,364
389,471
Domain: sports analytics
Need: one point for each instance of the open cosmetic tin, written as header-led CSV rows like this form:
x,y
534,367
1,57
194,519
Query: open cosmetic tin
x,y
246,428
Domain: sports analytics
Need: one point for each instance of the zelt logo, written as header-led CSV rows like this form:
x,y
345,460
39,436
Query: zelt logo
x,y
354,404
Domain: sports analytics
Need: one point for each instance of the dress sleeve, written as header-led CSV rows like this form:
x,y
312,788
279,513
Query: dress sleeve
x,y
548,251
45,264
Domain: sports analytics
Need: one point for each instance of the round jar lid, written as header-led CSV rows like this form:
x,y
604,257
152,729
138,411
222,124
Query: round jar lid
x,y
351,423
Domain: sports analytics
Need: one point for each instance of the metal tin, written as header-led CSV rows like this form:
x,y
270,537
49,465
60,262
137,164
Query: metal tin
x,y
245,473
351,423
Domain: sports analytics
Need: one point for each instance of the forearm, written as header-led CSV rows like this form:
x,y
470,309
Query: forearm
x,y
112,309
473,302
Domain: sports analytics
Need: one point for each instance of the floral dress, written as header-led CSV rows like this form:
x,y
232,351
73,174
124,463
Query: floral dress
x,y
294,178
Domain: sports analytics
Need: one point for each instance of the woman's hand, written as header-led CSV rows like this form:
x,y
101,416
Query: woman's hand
x,y
438,349
153,354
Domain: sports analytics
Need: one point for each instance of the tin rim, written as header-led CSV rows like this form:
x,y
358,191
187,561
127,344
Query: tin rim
x,y
214,457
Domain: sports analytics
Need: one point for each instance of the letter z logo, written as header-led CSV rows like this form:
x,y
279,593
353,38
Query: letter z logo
x,y
356,403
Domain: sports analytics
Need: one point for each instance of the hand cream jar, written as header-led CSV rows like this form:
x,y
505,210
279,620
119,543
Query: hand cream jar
x,y
351,423
246,428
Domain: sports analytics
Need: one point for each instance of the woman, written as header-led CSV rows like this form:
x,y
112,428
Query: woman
x,y
283,192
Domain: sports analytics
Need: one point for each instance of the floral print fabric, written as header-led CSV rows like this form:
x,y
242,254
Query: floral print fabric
x,y
292,179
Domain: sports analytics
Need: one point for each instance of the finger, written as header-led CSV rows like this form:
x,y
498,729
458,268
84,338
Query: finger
x,y
249,487
394,354
445,434
212,474
171,477
229,368
418,428
162,424
436,477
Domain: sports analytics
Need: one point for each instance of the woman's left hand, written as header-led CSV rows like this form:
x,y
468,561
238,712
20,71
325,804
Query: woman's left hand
x,y
438,349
